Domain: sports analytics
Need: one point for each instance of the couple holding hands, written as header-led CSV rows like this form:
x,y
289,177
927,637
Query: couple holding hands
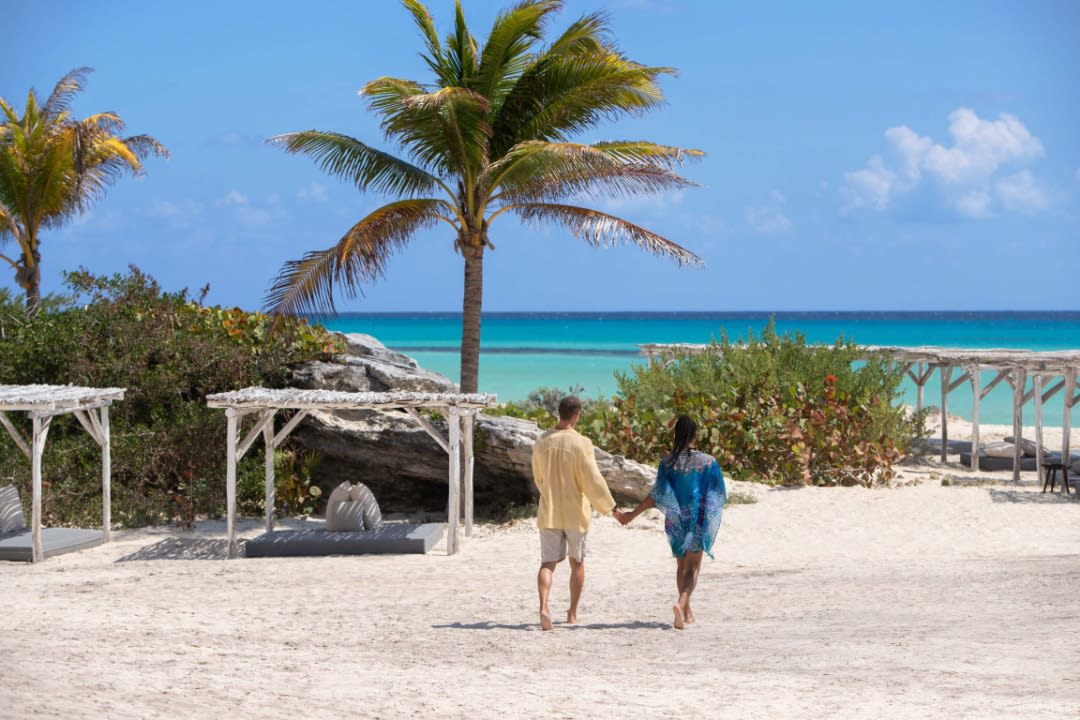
x,y
689,490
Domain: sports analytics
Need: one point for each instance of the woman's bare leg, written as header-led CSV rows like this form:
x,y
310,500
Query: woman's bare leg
x,y
689,568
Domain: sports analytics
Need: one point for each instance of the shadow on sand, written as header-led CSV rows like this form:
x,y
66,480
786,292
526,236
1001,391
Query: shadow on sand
x,y
485,625
182,549
1020,496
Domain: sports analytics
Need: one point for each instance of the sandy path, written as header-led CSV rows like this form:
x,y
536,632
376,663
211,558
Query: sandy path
x,y
916,602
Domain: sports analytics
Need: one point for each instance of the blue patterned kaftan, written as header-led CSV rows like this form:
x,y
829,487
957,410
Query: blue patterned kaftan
x,y
691,493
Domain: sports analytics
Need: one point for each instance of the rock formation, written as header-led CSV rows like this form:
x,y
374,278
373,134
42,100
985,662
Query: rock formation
x,y
404,467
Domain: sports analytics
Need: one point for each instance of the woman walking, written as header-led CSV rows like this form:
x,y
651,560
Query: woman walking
x,y
690,491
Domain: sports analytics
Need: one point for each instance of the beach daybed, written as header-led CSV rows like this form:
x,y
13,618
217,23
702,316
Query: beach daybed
x,y
354,526
459,409
390,539
42,403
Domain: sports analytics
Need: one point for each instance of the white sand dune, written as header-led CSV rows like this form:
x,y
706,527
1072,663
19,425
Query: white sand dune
x,y
920,602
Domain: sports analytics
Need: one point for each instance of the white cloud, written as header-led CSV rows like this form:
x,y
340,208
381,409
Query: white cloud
x,y
234,197
314,192
769,219
180,214
870,187
964,173
246,214
1021,193
974,204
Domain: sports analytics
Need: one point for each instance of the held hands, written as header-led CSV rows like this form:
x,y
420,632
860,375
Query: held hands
x,y
623,517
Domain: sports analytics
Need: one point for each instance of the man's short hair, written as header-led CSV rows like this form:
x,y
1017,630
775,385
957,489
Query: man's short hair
x,y
569,406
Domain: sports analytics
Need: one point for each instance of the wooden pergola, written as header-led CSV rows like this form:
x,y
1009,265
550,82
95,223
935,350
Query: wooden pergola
x,y
90,406
460,411
1050,372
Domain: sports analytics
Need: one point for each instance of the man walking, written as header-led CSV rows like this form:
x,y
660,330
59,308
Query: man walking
x,y
570,485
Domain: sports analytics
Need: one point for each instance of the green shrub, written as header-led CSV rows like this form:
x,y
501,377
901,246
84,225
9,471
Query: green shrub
x,y
169,351
770,408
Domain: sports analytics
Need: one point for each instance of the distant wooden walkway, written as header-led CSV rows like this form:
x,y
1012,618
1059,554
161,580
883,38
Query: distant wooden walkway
x,y
1050,372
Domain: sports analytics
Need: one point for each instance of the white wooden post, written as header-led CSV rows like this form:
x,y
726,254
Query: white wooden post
x,y
268,441
920,382
467,462
976,392
946,376
1019,385
106,474
1036,388
1066,420
453,510
230,480
41,431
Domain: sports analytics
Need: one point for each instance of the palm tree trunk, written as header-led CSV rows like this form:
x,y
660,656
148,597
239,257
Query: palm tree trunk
x,y
29,278
470,317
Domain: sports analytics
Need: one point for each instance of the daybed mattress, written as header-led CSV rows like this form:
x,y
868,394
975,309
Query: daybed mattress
x,y
390,539
54,541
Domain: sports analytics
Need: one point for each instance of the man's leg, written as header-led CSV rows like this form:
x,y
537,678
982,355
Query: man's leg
x,y
577,583
543,585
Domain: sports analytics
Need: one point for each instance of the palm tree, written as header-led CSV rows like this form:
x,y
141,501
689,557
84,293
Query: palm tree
x,y
490,136
53,166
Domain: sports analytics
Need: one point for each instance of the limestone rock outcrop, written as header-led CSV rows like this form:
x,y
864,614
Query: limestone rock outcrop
x,y
403,466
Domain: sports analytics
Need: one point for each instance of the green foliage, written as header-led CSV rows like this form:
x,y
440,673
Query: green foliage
x,y
169,351
542,405
770,408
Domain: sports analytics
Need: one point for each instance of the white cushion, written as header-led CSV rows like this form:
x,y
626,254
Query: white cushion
x,y
1028,447
338,495
11,512
345,517
372,513
999,449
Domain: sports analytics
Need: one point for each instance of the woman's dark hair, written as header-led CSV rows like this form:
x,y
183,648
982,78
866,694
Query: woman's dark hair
x,y
685,432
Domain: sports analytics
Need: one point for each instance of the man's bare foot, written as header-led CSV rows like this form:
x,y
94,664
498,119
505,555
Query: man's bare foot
x,y
688,616
571,618
545,621
680,619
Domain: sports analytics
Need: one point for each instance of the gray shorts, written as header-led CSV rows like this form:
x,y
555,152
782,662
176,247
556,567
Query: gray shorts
x,y
556,544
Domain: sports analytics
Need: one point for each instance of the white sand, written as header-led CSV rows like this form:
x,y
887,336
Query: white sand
x,y
914,602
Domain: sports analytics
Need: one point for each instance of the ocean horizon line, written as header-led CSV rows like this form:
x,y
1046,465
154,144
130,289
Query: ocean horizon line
x,y
710,313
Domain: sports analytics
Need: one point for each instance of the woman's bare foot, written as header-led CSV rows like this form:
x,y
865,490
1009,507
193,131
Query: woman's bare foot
x,y
680,619
545,621
688,616
571,618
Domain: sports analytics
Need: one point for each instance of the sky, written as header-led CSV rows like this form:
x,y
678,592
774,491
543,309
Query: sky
x,y
859,156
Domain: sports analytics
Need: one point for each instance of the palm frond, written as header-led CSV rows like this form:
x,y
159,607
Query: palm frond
x,y
144,146
561,95
647,152
535,171
586,34
360,257
426,25
604,230
446,130
460,56
65,91
305,285
361,164
8,227
505,54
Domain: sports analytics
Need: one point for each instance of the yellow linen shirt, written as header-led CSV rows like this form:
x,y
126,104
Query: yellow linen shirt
x,y
570,483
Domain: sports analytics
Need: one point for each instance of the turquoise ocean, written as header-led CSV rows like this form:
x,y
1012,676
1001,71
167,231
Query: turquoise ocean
x,y
522,351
